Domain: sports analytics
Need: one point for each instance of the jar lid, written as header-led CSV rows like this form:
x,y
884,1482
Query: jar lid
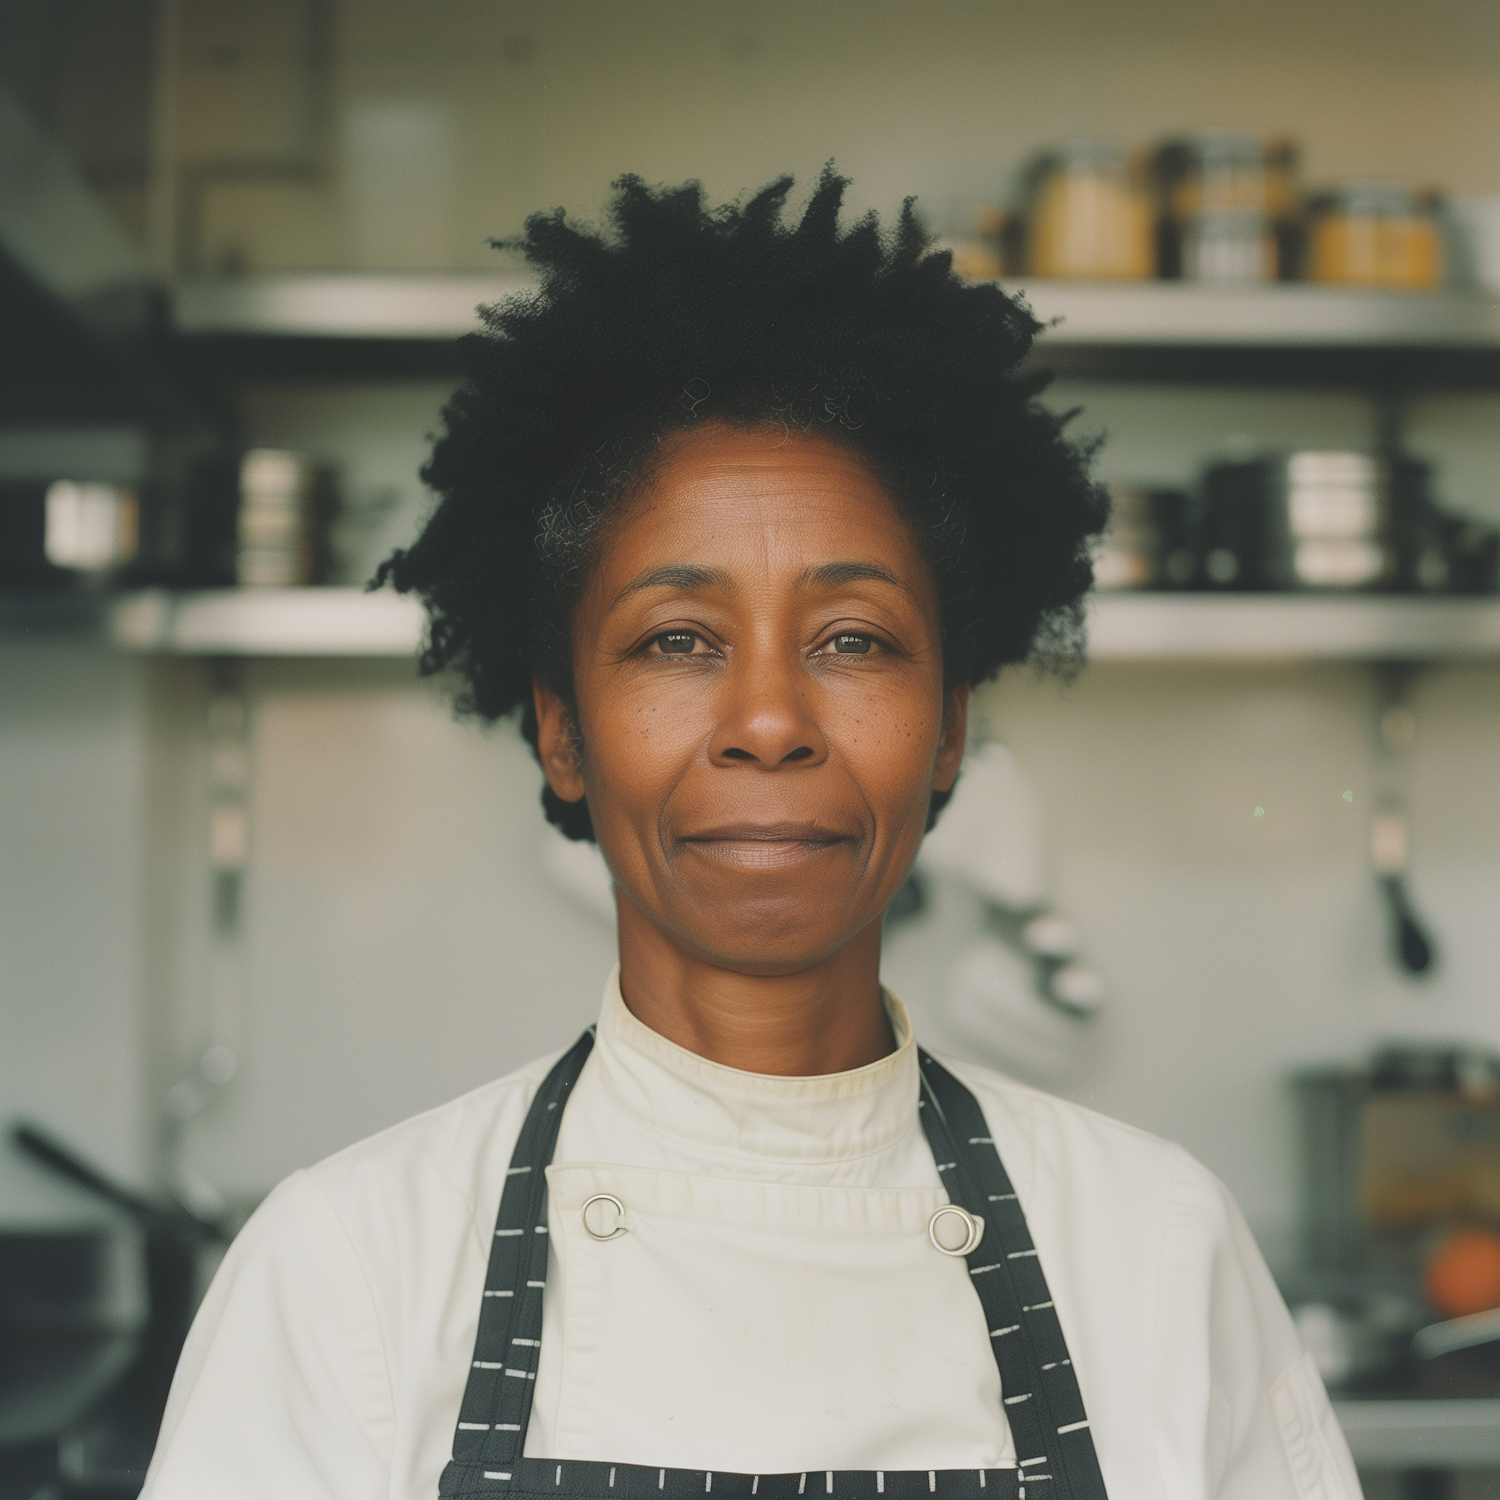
x,y
1373,197
1086,154
1212,150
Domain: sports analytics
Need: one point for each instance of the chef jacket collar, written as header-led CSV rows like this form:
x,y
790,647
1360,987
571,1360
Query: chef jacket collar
x,y
766,1117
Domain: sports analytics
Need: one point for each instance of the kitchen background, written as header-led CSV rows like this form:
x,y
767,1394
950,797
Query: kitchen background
x,y
283,890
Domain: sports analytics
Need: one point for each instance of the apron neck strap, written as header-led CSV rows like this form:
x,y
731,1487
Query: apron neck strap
x,y
1042,1401
496,1407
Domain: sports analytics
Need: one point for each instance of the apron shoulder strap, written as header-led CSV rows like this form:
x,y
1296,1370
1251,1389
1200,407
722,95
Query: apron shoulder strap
x,y
496,1408
1039,1386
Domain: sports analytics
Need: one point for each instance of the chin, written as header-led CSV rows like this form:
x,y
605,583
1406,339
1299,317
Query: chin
x,y
767,943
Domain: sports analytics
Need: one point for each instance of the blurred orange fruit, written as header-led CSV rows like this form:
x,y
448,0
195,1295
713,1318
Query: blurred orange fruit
x,y
1463,1273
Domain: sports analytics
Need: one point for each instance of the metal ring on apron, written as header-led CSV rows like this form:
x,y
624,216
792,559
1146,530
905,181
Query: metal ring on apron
x,y
973,1230
619,1228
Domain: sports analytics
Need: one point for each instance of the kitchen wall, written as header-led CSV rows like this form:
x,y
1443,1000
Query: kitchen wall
x,y
399,943
73,960
454,119
405,944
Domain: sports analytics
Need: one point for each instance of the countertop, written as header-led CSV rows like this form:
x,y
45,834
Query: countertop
x,y
1413,1432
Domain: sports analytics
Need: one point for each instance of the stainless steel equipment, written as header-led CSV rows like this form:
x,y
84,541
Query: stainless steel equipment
x,y
1316,519
1151,542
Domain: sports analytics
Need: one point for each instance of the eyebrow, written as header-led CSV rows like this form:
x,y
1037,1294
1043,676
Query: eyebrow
x,y
836,574
677,576
696,576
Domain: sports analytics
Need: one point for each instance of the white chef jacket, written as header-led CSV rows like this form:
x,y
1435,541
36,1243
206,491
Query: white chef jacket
x,y
776,1305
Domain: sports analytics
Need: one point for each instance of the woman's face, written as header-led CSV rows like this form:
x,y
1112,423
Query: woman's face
x,y
758,671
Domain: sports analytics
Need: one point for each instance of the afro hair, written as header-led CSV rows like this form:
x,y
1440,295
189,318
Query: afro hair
x,y
685,314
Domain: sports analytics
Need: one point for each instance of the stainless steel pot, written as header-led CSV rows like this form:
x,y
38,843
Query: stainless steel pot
x,y
1305,520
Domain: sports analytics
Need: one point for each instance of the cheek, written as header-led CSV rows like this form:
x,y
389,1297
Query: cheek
x,y
890,748
637,745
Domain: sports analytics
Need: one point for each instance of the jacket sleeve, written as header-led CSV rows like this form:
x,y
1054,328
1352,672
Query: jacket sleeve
x,y
1267,1429
282,1389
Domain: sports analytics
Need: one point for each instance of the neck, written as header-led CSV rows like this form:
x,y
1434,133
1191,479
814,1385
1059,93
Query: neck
x,y
827,1018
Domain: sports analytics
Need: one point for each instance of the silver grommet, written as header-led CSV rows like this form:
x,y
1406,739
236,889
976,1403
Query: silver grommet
x,y
619,1228
973,1230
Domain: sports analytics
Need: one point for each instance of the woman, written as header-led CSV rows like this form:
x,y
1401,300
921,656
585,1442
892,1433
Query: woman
x,y
737,512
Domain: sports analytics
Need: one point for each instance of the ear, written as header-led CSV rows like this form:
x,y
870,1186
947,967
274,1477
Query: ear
x,y
955,735
557,743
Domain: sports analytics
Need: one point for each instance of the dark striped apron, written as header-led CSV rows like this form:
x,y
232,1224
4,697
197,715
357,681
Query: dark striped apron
x,y
1054,1450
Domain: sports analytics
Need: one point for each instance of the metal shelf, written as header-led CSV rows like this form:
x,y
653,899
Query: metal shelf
x,y
1310,627
1090,312
1122,627
1179,314
268,622
338,306
374,325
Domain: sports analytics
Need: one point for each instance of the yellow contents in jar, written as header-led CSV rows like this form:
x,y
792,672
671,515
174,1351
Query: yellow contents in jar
x,y
1090,223
1355,246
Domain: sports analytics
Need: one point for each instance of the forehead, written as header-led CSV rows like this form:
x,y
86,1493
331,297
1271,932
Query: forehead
x,y
760,499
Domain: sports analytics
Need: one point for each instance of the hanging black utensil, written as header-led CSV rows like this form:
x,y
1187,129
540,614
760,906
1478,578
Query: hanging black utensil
x,y
1390,854
1412,944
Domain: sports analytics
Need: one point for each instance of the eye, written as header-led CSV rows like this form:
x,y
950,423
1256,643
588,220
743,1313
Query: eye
x,y
850,643
676,642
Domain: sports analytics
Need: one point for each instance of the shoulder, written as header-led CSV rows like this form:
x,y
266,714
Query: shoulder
x,y
1052,1132
1174,1325
1072,1159
416,1194
348,1298
1169,1223
457,1152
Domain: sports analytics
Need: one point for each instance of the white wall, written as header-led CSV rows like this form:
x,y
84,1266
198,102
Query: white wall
x,y
72,946
1237,947
401,943
510,106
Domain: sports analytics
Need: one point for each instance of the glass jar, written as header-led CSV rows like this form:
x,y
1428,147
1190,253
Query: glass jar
x,y
1089,217
1375,234
1217,195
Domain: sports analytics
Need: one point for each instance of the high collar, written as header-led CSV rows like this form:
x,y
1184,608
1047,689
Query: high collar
x,y
831,1117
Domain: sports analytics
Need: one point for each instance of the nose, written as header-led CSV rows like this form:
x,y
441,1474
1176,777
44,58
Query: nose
x,y
767,716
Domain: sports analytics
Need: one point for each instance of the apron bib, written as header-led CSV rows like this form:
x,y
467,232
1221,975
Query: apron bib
x,y
1055,1455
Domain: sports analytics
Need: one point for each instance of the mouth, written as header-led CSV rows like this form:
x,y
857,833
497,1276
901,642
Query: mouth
x,y
767,846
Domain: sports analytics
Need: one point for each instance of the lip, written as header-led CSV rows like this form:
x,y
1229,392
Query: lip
x,y
766,846
771,833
